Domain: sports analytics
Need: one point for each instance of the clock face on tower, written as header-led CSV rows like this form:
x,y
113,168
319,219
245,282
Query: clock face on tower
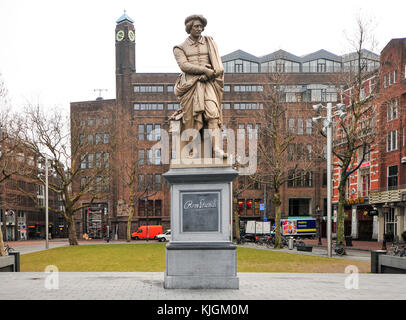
x,y
131,35
120,35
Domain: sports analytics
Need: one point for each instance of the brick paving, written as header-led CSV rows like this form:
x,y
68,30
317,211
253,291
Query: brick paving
x,y
149,286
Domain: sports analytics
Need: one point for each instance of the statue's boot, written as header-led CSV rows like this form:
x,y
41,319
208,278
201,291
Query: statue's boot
x,y
216,139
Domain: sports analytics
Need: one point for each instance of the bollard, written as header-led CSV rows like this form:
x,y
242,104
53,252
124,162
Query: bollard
x,y
16,255
290,243
375,260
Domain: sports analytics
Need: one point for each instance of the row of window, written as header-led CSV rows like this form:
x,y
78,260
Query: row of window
x,y
99,184
287,66
150,181
176,106
96,160
390,78
300,179
300,126
94,122
149,132
98,138
299,152
152,158
150,208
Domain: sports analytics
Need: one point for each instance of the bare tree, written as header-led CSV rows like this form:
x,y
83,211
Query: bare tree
x,y
355,134
283,156
10,145
55,137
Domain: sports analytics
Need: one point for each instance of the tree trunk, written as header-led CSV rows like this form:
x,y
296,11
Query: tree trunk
x,y
236,221
276,201
130,218
73,241
340,214
2,252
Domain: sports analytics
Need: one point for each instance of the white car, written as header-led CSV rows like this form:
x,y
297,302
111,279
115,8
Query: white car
x,y
166,236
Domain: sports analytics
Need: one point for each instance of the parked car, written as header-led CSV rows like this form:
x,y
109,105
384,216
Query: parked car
x,y
141,233
166,236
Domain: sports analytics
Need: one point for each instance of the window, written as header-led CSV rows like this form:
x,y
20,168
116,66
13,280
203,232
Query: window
x,y
225,105
90,139
83,181
106,159
395,75
105,121
291,152
90,158
173,106
299,126
82,139
141,183
106,138
385,83
390,221
148,106
83,163
90,122
392,110
141,156
98,159
149,88
392,177
248,106
392,140
158,183
170,88
227,88
98,138
309,126
292,125
248,88
141,132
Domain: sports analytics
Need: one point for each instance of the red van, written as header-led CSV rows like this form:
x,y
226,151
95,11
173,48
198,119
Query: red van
x,y
141,233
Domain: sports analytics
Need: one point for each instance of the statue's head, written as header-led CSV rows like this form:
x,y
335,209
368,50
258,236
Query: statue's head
x,y
189,21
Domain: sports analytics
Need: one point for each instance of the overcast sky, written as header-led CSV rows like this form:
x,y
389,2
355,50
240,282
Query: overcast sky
x,y
55,52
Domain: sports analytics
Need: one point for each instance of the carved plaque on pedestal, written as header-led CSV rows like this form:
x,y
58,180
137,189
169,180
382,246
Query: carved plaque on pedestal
x,y
200,211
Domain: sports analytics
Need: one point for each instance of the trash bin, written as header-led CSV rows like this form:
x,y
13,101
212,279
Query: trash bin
x,y
290,243
348,241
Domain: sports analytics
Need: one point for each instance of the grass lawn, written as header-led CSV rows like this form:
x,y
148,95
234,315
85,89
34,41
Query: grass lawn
x,y
151,258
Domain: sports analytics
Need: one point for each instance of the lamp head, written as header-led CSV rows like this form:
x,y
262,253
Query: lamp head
x,y
341,106
316,119
317,107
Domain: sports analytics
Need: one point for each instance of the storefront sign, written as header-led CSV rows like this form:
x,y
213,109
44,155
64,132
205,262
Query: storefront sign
x,y
356,201
373,212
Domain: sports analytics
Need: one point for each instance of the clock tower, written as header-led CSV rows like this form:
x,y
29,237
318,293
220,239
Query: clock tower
x,y
125,45
125,58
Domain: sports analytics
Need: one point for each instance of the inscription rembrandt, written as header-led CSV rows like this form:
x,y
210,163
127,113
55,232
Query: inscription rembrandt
x,y
200,212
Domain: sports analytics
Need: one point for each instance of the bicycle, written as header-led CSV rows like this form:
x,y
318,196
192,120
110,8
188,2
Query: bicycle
x,y
338,248
397,249
8,249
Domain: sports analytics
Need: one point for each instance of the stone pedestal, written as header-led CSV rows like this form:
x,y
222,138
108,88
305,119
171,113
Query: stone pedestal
x,y
200,254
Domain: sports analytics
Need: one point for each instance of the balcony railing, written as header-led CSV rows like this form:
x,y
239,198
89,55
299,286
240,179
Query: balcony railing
x,y
388,195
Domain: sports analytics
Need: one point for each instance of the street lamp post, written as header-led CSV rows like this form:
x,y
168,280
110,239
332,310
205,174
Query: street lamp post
x,y
46,205
328,126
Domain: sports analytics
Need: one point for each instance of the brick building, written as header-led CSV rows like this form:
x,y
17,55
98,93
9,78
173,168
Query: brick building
x,y
376,193
144,101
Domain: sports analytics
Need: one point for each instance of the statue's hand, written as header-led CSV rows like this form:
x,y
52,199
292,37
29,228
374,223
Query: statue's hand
x,y
209,73
203,78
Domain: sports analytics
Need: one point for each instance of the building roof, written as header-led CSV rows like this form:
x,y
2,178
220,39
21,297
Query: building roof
x,y
239,54
124,17
321,54
280,54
